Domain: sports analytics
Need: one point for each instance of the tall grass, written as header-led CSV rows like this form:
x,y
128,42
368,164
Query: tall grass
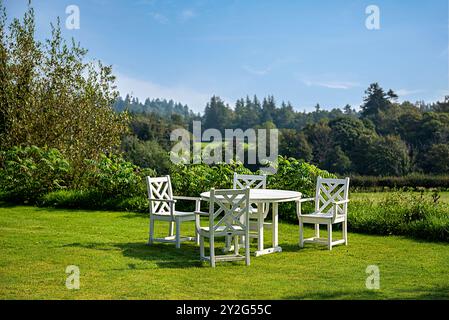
x,y
420,216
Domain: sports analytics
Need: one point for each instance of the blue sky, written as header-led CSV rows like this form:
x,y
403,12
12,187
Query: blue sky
x,y
301,51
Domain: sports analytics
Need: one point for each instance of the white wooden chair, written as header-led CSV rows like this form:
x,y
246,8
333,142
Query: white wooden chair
x,y
256,222
331,207
228,217
162,208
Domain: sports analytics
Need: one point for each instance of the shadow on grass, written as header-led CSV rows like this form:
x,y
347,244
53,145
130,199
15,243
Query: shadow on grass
x,y
437,293
4,204
337,295
163,255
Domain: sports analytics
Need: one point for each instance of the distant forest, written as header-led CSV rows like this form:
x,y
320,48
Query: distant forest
x,y
383,138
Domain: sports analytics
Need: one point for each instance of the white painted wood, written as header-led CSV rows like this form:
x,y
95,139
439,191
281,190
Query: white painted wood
x,y
331,207
242,181
162,208
275,224
267,196
267,251
228,217
258,212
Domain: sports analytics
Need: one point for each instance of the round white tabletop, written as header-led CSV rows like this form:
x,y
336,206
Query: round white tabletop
x,y
267,195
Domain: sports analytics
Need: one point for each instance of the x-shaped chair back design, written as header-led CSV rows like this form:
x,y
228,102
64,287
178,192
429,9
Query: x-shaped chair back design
x,y
231,209
329,191
160,189
242,181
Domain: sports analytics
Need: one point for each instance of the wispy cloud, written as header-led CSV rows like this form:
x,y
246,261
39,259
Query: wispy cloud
x,y
341,85
187,14
143,89
159,17
262,71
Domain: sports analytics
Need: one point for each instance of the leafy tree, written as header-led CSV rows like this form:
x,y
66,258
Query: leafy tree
x,y
376,100
285,116
146,154
337,161
436,159
442,106
294,144
434,129
319,137
268,109
388,156
247,113
347,131
51,97
217,115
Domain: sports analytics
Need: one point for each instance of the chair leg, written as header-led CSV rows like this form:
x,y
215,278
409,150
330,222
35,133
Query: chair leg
x,y
170,228
345,232
236,245
197,235
247,250
301,234
228,244
212,252
178,234
317,231
260,232
150,240
202,254
329,238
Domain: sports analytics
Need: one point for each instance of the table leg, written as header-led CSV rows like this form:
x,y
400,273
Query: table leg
x,y
275,225
260,223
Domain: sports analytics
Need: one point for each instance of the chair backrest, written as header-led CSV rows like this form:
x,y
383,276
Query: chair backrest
x,y
229,209
159,189
242,181
331,190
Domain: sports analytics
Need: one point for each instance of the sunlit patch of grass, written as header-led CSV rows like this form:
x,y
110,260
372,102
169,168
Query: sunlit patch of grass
x,y
36,246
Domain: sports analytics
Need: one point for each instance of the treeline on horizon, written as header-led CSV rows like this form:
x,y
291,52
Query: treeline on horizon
x,y
384,138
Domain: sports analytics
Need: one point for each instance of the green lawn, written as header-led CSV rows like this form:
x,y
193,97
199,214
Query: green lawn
x,y
110,249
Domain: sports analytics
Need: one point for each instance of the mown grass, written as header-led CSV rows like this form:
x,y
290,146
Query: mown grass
x,y
37,244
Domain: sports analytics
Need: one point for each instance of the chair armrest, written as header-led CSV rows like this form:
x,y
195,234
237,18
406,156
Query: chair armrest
x,y
187,198
298,208
162,200
306,200
336,203
202,214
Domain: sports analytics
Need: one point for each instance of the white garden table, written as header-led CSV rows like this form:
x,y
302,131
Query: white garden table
x,y
267,196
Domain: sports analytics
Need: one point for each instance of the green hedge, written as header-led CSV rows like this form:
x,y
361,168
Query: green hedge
x,y
413,181
27,173
90,199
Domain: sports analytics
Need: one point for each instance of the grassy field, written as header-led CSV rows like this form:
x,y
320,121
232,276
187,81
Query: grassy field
x,y
36,246
376,196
